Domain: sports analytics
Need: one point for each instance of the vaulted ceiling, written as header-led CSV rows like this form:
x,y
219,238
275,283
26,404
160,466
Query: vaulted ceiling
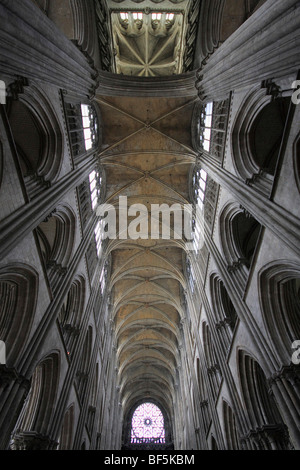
x,y
147,156
148,36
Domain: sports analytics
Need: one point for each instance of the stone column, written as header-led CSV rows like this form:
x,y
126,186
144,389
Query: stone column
x,y
285,388
265,46
33,47
13,391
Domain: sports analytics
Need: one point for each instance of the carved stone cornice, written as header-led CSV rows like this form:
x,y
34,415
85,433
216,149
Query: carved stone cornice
x,y
31,440
120,85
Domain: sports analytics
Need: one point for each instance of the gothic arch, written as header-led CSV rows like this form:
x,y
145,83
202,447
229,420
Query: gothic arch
x,y
128,424
279,293
33,426
71,313
239,234
67,430
18,292
256,137
213,367
214,444
38,137
224,311
56,236
230,427
267,430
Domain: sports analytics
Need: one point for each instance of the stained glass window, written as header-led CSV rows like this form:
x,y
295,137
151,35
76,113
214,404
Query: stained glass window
x,y
147,425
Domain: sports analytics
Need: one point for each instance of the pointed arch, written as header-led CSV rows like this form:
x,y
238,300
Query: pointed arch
x,y
18,294
67,430
256,137
56,238
239,234
33,426
230,427
267,430
71,313
279,293
224,311
38,137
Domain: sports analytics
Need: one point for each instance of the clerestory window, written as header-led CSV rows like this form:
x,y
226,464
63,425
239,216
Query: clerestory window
x,y
169,16
200,181
156,16
137,15
206,126
199,192
99,232
95,180
90,126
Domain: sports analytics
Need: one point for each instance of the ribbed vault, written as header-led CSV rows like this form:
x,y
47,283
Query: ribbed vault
x,y
147,156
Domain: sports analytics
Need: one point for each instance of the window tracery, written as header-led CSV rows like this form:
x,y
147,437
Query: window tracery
x,y
147,425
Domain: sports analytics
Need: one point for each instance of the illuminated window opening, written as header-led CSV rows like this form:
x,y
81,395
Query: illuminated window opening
x,y
95,188
102,281
147,425
156,16
199,183
137,15
169,16
206,126
99,231
90,126
124,16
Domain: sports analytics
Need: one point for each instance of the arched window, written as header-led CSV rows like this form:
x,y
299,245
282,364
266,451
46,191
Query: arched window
x,y
90,194
209,127
204,196
147,425
89,125
83,126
